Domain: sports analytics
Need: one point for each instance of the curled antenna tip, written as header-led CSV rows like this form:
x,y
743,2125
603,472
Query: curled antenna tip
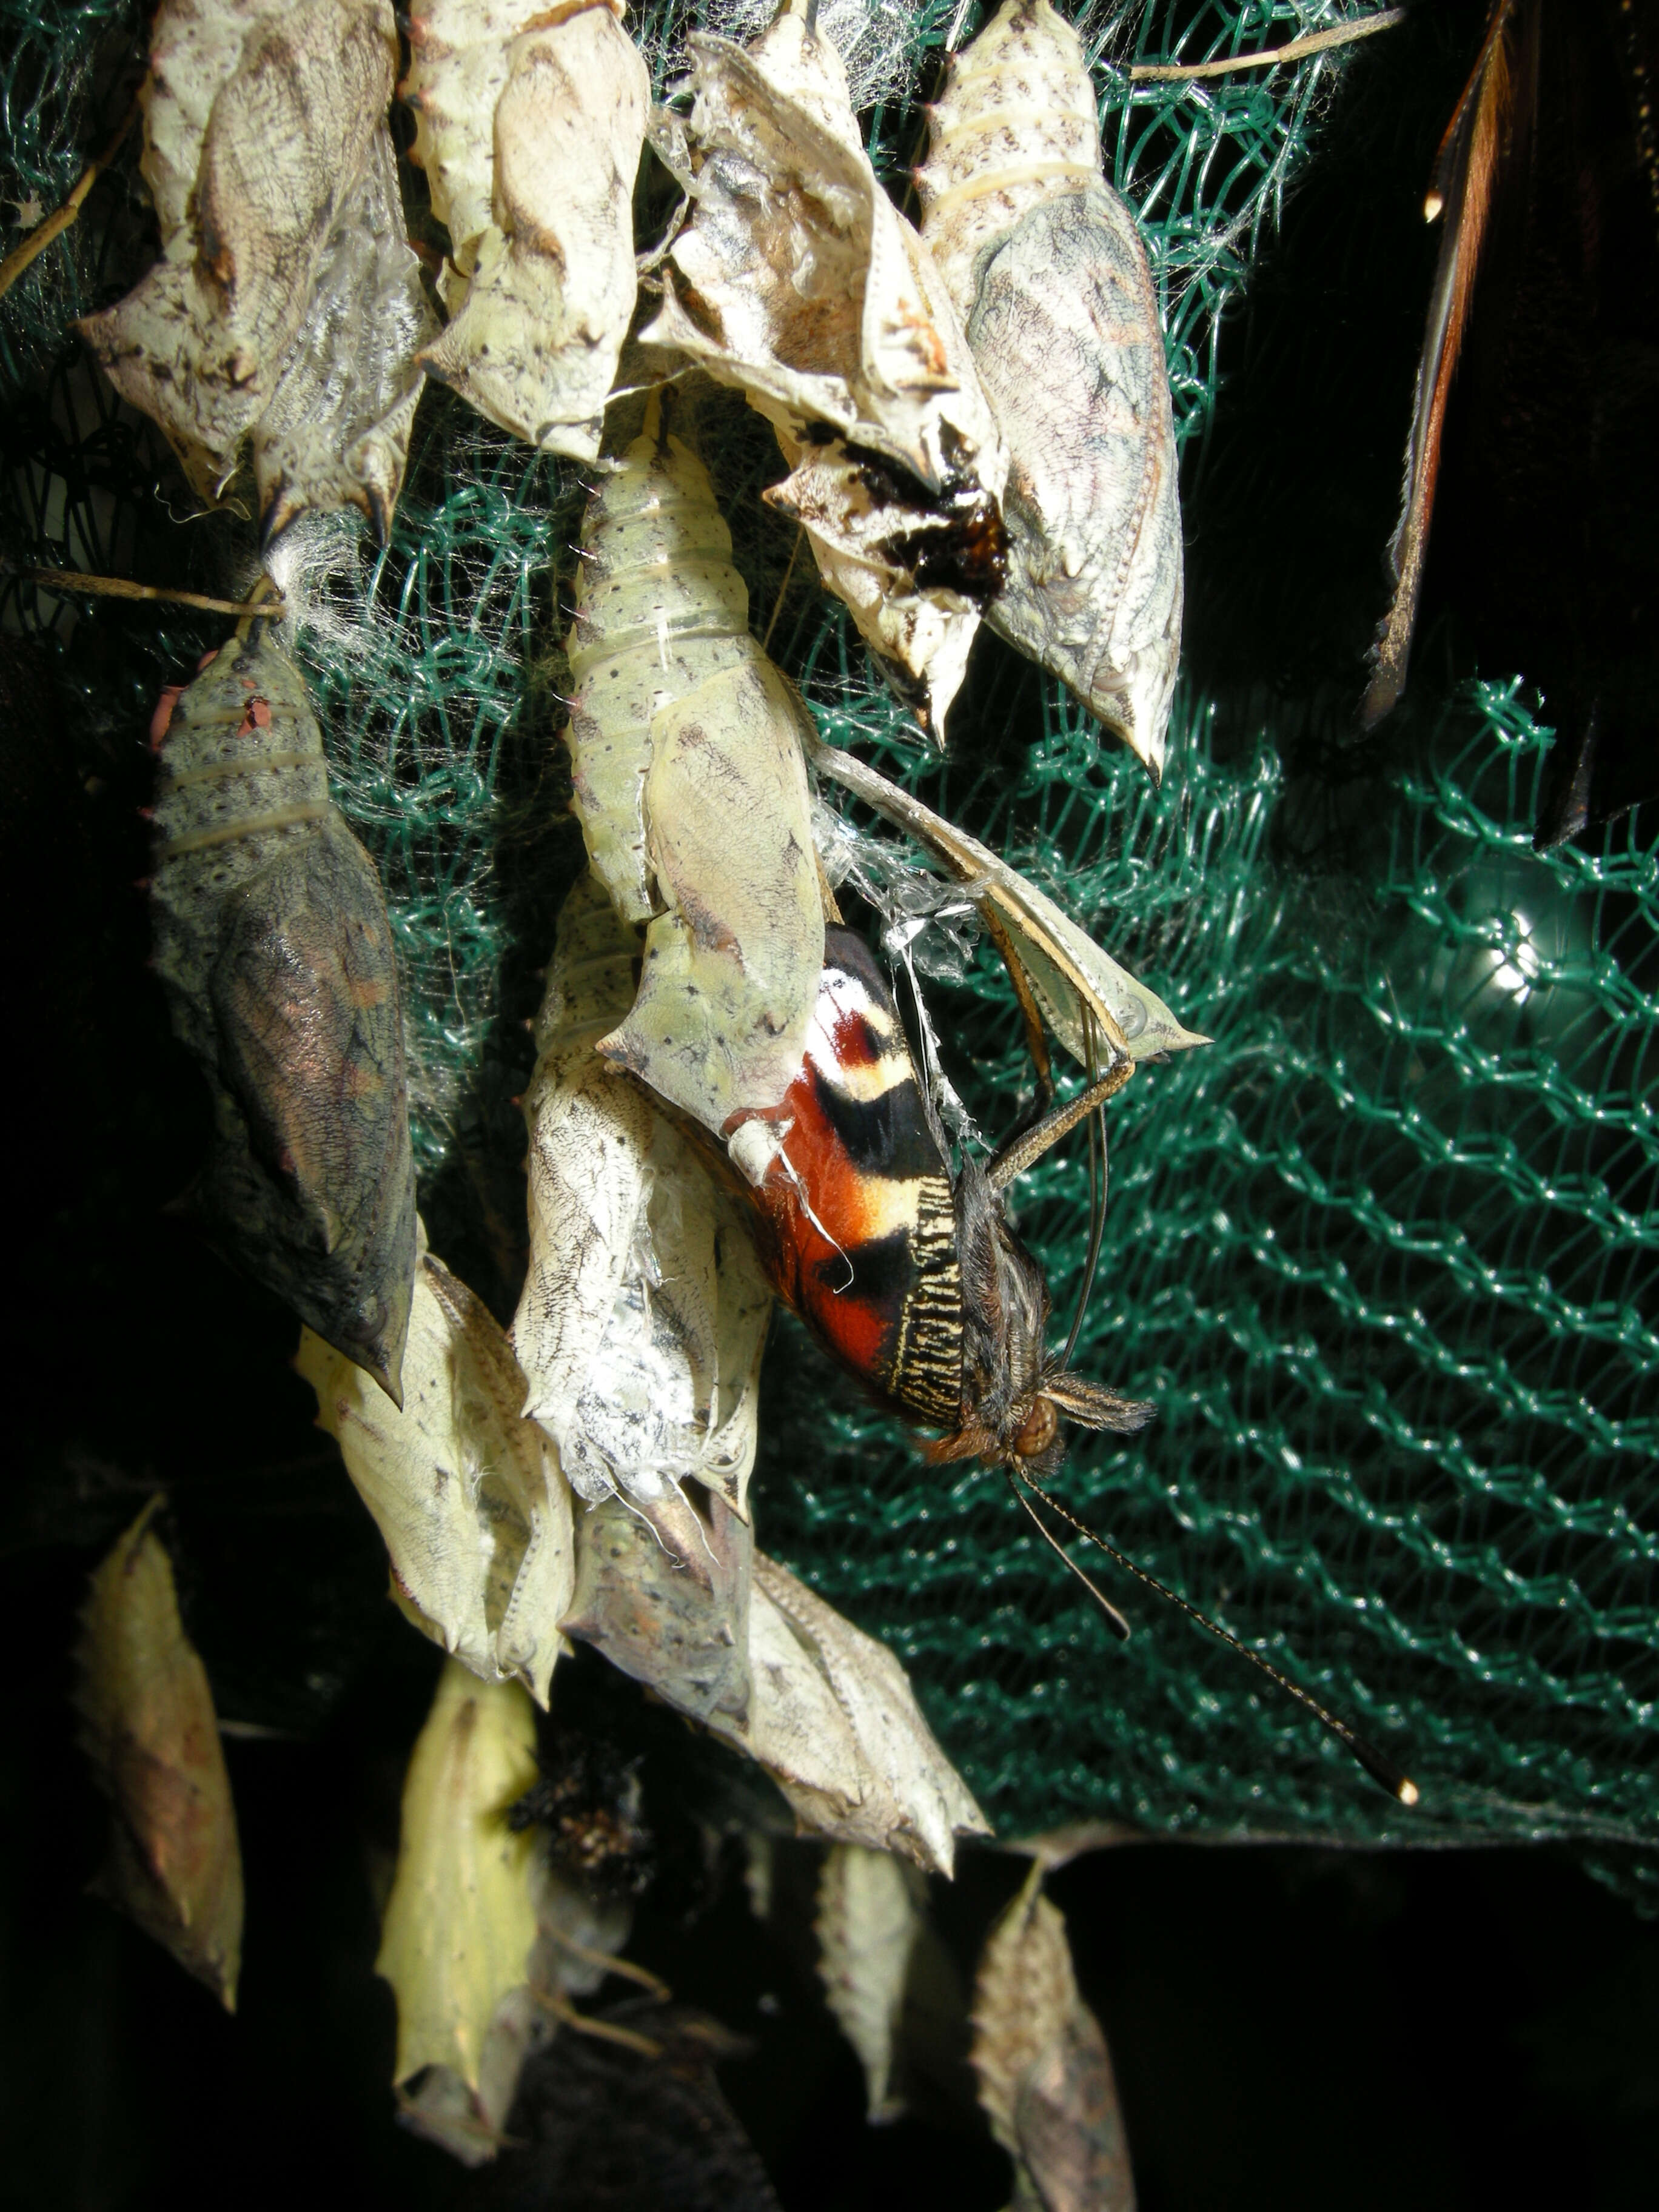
x,y
1407,1791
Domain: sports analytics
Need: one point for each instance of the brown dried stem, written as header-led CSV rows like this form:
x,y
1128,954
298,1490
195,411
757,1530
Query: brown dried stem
x,y
55,224
1315,42
71,582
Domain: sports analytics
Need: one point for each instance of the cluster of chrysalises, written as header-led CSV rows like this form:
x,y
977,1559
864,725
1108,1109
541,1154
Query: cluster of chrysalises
x,y
724,1106
975,416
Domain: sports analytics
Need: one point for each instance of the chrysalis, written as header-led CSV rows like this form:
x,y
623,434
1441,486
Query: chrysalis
x,y
798,281
286,302
148,1726
644,1311
870,1917
466,1492
1045,2074
531,126
663,1591
685,746
1044,263
833,1719
460,1922
273,942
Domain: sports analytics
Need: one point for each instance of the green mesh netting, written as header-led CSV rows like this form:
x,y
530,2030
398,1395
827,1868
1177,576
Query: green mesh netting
x,y
1385,1253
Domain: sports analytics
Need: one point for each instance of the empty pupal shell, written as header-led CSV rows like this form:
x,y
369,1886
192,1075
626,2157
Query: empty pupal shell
x,y
685,747
466,1492
1047,269
644,1311
148,1726
798,281
532,125
336,433
663,1590
273,945
833,1719
460,1923
286,302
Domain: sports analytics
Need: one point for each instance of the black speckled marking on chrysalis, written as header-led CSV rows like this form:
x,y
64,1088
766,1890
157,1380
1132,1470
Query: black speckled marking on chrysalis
x,y
273,945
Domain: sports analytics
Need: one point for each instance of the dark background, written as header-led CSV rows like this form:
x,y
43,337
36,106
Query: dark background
x,y
1291,2027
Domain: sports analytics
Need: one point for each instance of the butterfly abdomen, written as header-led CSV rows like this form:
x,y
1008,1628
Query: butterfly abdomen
x,y
858,1218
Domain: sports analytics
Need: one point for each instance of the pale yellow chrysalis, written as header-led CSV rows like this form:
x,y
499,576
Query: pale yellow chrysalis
x,y
460,1922
690,787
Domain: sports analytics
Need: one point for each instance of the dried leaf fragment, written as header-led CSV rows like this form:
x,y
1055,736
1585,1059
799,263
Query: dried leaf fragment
x,y
1046,267
148,1726
1045,2076
644,1311
798,281
461,1918
286,284
466,1492
273,945
869,1918
531,126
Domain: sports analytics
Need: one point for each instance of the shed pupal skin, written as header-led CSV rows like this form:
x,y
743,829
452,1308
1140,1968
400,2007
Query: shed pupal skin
x,y
1044,263
799,282
530,124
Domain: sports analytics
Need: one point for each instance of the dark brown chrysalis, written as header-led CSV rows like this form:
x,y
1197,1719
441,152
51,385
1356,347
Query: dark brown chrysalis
x,y
272,941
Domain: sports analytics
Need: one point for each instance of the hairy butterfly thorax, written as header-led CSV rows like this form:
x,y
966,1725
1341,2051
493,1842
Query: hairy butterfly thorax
x,y
909,1276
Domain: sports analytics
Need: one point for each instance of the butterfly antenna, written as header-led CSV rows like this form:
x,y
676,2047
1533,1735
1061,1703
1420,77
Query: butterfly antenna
x,y
1382,1771
1097,1178
1119,1625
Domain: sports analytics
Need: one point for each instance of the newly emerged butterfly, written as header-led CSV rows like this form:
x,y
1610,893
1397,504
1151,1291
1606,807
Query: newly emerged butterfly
x,y
911,1278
